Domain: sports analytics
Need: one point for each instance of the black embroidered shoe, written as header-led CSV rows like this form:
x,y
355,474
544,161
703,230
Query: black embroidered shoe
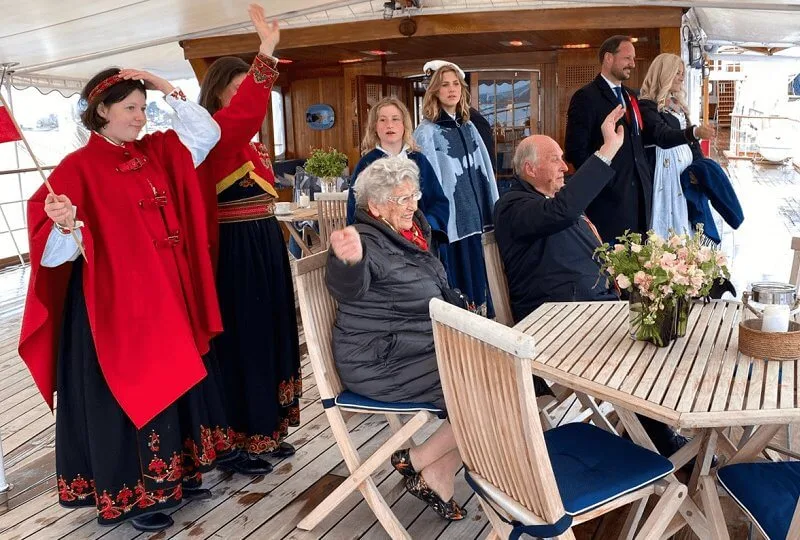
x,y
448,510
401,461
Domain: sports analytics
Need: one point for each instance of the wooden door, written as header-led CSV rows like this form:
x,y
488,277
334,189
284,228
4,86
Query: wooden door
x,y
370,89
509,100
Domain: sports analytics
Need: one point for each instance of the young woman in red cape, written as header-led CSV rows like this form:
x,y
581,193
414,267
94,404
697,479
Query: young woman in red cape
x,y
121,335
259,350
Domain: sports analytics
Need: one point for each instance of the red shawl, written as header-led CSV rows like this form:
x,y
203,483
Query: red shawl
x,y
152,308
234,155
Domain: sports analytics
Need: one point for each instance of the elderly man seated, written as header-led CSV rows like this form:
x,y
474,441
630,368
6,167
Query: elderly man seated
x,y
545,239
547,243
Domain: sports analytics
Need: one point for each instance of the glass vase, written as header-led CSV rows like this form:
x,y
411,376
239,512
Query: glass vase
x,y
658,328
683,305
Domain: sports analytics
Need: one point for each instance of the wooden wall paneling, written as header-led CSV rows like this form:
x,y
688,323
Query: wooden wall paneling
x,y
575,69
288,117
305,92
352,136
529,60
549,99
669,39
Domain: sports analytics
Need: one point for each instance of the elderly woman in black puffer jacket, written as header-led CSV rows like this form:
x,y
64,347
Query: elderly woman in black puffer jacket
x,y
383,275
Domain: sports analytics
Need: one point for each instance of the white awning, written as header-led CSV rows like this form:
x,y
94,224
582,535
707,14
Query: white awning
x,y
67,40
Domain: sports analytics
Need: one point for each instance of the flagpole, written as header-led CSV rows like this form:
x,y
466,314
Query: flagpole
x,y
6,66
39,168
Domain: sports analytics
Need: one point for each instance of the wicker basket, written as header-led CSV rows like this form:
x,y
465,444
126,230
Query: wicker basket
x,y
769,345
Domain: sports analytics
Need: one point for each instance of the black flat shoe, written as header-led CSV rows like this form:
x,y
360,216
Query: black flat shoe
x,y
284,450
401,461
228,457
448,510
196,493
157,521
252,466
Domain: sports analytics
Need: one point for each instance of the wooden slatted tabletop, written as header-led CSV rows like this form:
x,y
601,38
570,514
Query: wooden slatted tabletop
x,y
700,380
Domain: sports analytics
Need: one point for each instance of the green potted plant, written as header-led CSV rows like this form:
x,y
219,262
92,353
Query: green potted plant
x,y
327,165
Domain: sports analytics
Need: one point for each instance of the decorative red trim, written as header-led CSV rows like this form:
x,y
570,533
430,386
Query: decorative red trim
x,y
104,85
231,213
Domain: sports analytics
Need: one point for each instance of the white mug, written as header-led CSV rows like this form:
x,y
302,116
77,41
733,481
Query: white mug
x,y
775,318
305,201
283,207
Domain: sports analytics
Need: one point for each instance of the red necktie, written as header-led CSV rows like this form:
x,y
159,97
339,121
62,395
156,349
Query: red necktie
x,y
597,235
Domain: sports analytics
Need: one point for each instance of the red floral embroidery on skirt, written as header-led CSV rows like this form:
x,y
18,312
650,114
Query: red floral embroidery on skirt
x,y
78,489
113,507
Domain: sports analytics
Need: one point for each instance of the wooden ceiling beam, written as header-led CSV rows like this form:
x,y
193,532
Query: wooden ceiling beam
x,y
452,24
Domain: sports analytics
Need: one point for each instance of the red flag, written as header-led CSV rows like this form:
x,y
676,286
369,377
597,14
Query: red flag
x,y
8,131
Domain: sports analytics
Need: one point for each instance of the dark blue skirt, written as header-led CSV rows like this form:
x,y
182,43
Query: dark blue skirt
x,y
258,351
466,271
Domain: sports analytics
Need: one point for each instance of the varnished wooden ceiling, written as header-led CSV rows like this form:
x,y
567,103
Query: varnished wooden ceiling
x,y
443,46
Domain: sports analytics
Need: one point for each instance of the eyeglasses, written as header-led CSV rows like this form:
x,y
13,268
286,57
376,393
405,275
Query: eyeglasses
x,y
406,199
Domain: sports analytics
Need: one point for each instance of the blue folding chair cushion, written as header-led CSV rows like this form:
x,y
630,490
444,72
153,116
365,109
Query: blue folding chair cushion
x,y
351,400
767,492
593,466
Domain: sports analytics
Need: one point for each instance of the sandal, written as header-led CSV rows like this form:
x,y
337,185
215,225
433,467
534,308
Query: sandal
x,y
401,461
448,510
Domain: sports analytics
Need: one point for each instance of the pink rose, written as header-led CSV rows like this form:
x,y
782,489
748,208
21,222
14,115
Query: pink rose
x,y
704,254
667,260
623,281
618,248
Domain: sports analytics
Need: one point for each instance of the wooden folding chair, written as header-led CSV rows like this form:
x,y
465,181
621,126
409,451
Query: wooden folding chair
x,y
318,313
332,208
496,276
498,287
530,481
768,494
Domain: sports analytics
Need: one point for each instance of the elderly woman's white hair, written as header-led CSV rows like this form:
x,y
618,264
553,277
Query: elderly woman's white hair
x,y
377,182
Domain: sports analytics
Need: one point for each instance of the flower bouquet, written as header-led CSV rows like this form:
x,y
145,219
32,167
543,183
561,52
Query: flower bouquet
x,y
662,276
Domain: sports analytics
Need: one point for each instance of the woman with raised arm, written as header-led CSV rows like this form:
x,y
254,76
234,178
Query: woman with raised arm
x,y
120,335
383,273
259,351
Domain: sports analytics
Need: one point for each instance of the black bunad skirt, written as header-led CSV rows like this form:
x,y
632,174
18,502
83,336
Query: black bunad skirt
x,y
258,351
102,460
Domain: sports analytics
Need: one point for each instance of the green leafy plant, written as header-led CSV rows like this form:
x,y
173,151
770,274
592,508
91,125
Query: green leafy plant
x,y
326,163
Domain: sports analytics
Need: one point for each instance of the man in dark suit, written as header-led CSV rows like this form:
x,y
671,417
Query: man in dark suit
x,y
625,203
